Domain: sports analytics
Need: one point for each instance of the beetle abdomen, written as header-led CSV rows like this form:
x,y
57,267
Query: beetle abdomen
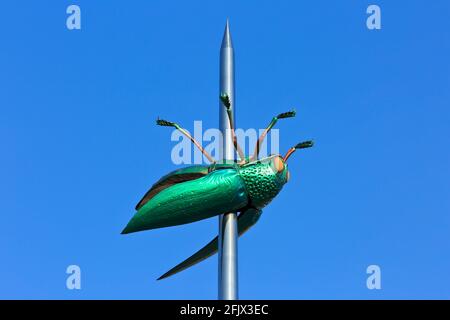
x,y
218,192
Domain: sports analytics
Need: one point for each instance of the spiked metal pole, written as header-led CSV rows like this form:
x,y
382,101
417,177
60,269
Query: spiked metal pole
x,y
228,233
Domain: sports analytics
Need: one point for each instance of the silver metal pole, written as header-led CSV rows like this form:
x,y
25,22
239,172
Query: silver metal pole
x,y
228,233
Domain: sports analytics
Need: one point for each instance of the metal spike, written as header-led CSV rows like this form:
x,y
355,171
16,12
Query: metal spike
x,y
228,232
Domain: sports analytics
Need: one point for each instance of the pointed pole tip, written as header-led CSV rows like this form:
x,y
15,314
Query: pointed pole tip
x,y
226,41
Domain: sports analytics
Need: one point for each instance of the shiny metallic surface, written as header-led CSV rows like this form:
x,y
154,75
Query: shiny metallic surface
x,y
228,231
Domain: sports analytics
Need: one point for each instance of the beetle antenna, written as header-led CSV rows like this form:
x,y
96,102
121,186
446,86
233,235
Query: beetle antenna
x,y
165,123
301,145
225,99
283,115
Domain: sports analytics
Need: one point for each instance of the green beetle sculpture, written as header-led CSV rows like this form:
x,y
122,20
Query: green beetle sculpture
x,y
198,192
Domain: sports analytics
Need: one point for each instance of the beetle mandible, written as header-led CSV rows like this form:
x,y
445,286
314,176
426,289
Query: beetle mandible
x,y
198,192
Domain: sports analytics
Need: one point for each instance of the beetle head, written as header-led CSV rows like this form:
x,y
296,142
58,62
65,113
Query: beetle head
x,y
280,168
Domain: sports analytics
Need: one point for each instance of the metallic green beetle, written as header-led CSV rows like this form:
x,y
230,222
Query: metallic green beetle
x,y
199,192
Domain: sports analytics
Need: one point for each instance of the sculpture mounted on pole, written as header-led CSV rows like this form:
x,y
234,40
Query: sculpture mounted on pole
x,y
199,192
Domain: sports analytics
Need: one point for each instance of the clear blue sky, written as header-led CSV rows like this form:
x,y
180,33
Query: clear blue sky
x,y
79,146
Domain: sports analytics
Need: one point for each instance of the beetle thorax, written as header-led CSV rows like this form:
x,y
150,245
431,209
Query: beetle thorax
x,y
262,183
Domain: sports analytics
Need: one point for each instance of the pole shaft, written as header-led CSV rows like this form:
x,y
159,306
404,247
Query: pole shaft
x,y
228,233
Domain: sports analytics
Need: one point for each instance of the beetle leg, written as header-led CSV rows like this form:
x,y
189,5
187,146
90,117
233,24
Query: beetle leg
x,y
165,123
283,115
226,102
301,145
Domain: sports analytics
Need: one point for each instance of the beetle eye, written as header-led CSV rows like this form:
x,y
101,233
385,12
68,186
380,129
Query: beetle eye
x,y
278,164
